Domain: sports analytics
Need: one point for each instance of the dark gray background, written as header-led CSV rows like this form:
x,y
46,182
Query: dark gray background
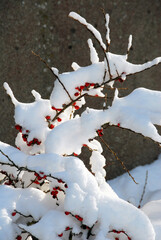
x,y
44,26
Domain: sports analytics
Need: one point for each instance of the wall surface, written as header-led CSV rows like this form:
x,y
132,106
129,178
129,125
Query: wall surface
x,y
44,26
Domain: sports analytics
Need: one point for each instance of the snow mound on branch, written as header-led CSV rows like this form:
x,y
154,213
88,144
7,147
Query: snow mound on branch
x,y
50,226
71,80
83,197
138,111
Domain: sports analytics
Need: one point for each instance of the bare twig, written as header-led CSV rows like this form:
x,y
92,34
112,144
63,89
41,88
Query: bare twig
x,y
104,51
117,158
142,195
42,60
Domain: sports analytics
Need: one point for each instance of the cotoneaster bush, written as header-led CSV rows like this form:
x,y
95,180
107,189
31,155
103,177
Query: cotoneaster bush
x,y
46,190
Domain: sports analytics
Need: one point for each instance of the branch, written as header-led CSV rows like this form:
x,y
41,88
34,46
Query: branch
x,y
91,29
68,105
118,159
42,60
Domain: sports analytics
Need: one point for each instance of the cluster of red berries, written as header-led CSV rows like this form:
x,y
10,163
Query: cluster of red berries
x,y
75,106
48,118
79,218
118,232
39,176
18,127
100,132
56,109
56,190
76,216
80,88
32,142
25,136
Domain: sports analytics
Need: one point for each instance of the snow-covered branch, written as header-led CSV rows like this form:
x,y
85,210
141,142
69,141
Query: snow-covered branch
x,y
46,190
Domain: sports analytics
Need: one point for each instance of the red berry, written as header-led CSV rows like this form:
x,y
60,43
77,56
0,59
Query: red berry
x,y
36,174
74,104
100,132
76,94
96,95
59,119
30,143
77,88
79,218
67,213
19,237
77,107
54,193
60,235
51,126
18,127
13,214
92,84
67,228
84,145
82,87
118,124
24,136
75,154
116,238
87,84
47,117
53,108
60,181
38,142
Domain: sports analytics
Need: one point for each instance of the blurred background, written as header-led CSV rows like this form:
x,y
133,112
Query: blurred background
x,y
44,27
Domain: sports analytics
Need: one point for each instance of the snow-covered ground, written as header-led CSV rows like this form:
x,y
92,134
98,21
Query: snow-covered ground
x,y
148,189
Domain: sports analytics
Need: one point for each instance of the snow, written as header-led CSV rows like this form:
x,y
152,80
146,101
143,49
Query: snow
x,y
93,54
131,192
129,43
94,31
107,17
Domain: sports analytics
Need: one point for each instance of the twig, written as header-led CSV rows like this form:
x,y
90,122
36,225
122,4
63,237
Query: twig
x,y
142,195
68,105
104,51
120,231
42,60
12,164
117,158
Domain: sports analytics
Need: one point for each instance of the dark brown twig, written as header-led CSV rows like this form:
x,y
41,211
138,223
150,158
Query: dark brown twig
x,y
118,159
104,51
143,193
42,60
